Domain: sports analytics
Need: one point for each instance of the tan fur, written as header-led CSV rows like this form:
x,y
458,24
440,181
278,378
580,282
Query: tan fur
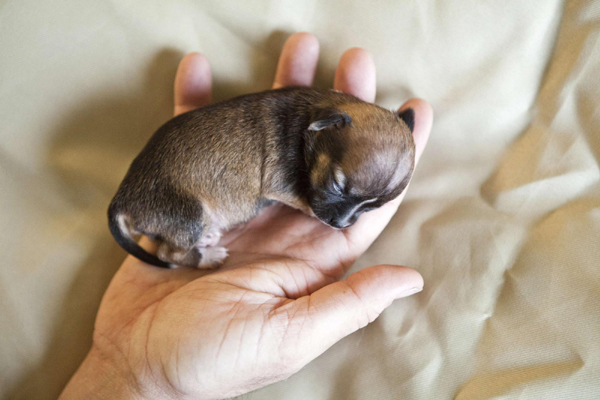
x,y
374,150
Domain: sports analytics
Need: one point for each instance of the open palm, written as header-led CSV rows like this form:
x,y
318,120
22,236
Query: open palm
x,y
277,302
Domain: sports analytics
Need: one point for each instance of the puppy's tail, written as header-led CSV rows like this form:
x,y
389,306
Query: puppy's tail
x,y
116,224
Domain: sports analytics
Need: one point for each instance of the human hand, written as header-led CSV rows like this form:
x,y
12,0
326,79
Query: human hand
x,y
277,302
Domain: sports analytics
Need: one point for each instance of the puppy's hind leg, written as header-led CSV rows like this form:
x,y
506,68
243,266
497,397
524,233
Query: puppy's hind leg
x,y
186,233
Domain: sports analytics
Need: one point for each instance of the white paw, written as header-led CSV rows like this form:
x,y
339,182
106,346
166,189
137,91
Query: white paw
x,y
212,257
210,239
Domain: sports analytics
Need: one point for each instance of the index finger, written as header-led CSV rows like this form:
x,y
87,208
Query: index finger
x,y
298,61
193,83
355,74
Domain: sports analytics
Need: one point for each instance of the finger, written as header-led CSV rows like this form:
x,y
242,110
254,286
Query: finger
x,y
355,74
318,321
370,224
193,83
298,61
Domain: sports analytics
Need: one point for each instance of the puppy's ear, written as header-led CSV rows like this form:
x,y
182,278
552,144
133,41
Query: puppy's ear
x,y
327,117
408,116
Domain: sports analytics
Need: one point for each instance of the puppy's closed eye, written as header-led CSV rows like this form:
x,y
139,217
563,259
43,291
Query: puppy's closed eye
x,y
339,180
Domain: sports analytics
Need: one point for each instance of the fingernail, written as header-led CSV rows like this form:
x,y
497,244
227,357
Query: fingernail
x,y
411,291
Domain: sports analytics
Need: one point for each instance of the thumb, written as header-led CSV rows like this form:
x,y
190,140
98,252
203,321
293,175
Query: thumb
x,y
336,310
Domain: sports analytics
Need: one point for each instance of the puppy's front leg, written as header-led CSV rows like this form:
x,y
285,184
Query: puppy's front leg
x,y
198,257
210,238
212,257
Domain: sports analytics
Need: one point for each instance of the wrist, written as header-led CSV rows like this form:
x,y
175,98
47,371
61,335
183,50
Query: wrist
x,y
98,379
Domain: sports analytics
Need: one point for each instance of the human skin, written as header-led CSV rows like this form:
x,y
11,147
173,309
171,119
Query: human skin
x,y
277,302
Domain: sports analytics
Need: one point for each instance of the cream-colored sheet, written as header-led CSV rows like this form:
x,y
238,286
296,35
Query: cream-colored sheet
x,y
502,218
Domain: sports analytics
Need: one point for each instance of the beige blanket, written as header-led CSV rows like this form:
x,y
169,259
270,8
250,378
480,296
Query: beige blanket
x,y
502,218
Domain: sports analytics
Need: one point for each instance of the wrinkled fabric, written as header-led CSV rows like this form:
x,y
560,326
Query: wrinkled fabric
x,y
502,218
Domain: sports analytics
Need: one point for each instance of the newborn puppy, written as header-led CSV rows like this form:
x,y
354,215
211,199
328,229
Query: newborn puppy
x,y
326,153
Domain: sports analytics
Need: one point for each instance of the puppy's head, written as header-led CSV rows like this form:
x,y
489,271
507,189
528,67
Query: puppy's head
x,y
359,157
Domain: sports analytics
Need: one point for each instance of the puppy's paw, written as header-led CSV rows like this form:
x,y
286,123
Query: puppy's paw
x,y
210,239
212,257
